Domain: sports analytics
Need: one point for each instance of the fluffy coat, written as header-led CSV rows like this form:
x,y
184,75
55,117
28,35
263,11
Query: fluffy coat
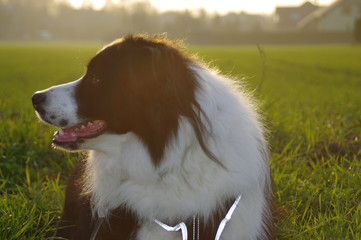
x,y
186,143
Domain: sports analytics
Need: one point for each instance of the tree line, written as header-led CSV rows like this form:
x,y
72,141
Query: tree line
x,y
51,19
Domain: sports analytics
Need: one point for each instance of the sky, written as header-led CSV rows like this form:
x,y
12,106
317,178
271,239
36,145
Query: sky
x,y
219,6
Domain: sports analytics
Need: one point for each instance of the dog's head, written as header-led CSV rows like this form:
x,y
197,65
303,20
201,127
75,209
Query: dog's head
x,y
136,84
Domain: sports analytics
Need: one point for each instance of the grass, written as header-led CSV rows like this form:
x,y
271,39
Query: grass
x,y
312,107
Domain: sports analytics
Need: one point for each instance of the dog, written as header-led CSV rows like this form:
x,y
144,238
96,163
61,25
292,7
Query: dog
x,y
174,148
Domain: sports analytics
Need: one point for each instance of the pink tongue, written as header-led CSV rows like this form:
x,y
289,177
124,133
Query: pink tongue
x,y
73,133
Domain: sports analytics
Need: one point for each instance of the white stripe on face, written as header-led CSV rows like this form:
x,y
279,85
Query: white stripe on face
x,y
60,107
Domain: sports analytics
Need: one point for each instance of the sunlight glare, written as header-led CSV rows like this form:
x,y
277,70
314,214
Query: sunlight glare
x,y
224,6
96,4
259,6
76,3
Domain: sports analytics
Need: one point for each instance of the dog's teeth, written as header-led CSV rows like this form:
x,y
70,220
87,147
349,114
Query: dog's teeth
x,y
96,121
82,127
89,124
61,133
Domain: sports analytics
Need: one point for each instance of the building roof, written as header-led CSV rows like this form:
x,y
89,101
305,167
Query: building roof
x,y
289,16
306,5
317,14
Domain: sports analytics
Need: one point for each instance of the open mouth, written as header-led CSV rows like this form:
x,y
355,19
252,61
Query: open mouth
x,y
78,132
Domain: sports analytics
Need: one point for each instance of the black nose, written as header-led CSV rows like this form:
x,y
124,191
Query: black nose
x,y
38,100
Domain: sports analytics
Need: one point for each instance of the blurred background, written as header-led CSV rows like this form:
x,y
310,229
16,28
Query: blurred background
x,y
198,22
299,59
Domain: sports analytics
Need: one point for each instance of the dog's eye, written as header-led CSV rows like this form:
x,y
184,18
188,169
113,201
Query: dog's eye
x,y
95,80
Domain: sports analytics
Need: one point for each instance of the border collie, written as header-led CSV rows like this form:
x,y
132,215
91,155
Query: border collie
x,y
175,150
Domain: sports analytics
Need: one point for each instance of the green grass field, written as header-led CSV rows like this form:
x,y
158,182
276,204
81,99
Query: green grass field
x,y
311,103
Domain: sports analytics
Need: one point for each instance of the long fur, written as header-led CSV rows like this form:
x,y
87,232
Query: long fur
x,y
181,140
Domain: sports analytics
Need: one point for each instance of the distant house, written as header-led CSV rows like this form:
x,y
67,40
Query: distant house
x,y
288,17
340,16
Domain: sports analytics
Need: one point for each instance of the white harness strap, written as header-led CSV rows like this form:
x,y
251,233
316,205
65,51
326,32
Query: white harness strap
x,y
228,217
182,226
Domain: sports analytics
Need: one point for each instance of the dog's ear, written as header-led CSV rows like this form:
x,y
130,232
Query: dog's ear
x,y
171,72
158,97
163,72
179,84
167,89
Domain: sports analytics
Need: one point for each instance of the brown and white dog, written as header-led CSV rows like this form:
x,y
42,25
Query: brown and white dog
x,y
170,141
